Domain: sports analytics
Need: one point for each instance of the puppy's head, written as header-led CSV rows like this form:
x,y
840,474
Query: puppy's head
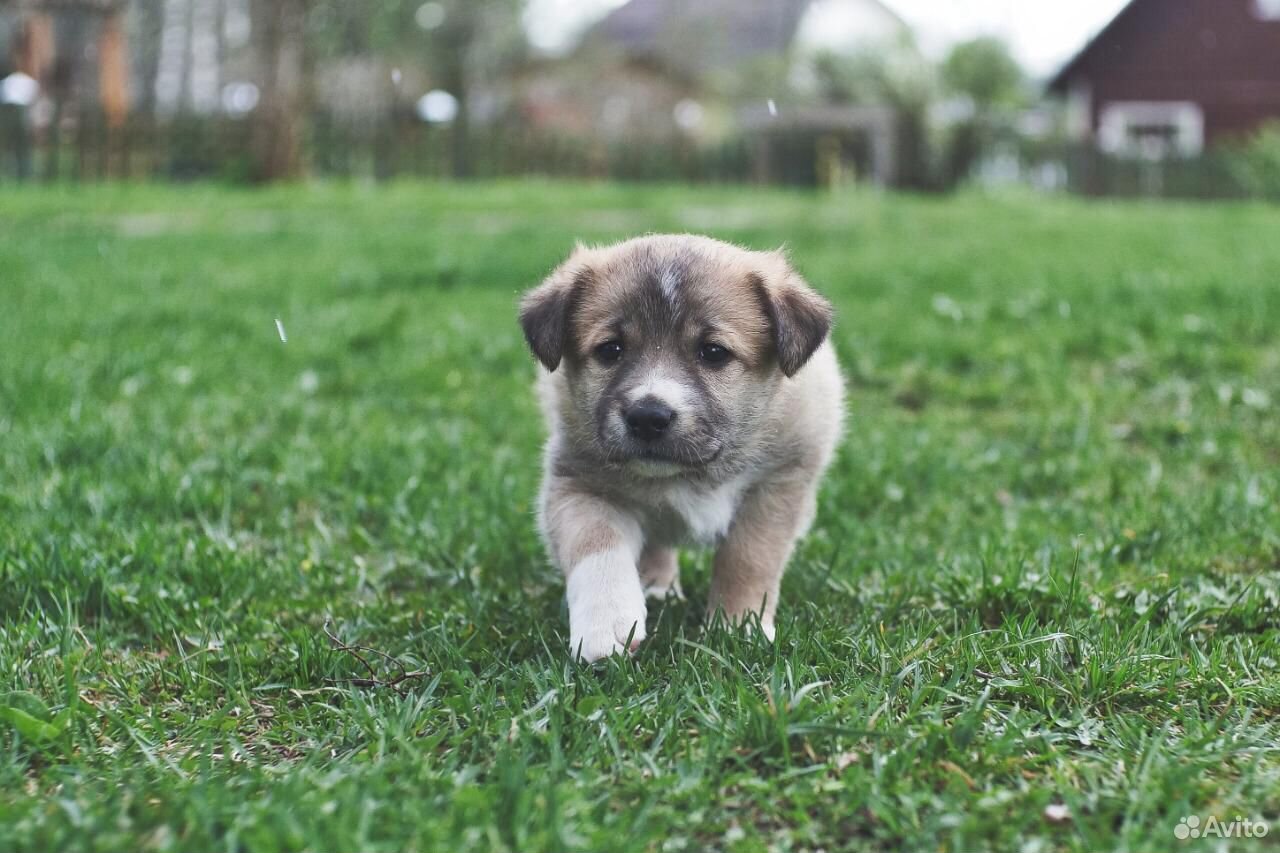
x,y
672,347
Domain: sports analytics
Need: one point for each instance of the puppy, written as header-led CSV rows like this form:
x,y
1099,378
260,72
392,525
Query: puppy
x,y
692,398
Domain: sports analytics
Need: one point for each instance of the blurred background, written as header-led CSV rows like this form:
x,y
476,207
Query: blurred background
x,y
1103,97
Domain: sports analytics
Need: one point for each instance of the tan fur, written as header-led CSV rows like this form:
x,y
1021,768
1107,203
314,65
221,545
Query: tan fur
x,y
659,571
578,525
748,444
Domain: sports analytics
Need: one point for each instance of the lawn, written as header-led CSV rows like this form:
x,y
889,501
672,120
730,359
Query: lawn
x,y
1039,610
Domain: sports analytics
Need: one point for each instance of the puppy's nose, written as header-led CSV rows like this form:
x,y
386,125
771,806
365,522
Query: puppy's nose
x,y
648,419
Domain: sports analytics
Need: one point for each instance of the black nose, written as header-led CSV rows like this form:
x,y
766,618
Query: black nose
x,y
648,419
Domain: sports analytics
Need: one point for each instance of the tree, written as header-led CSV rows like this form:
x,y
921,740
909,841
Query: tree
x,y
985,73
462,45
279,43
476,42
148,16
895,75
984,70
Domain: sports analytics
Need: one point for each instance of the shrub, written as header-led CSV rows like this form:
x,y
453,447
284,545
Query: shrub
x,y
1255,165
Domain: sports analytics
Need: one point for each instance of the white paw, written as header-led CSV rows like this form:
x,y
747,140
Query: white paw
x,y
605,633
606,607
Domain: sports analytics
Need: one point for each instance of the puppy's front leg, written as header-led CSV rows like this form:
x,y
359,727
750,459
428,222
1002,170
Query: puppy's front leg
x,y
660,572
748,567
596,545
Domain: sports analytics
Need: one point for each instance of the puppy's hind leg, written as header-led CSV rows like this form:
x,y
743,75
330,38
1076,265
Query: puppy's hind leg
x,y
596,545
660,572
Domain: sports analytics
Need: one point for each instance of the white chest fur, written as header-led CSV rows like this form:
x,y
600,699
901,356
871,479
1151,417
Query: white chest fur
x,y
689,513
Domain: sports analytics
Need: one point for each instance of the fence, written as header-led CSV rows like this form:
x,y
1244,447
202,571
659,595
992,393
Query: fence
x,y
1208,176
86,148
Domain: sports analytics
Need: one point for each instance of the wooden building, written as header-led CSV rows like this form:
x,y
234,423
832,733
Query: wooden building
x,y
75,49
1172,77
707,72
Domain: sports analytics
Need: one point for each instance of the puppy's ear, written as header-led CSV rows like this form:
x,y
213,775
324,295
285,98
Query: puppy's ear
x,y
546,312
799,318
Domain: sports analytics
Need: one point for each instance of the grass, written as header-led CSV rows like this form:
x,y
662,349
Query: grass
x,y
1044,572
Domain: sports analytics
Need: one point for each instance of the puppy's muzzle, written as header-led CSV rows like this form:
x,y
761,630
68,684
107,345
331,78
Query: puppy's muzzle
x,y
648,419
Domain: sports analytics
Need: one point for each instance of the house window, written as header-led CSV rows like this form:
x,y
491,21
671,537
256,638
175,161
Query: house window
x,y
1151,129
1267,10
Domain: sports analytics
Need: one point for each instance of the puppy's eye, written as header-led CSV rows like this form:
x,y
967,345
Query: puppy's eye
x,y
713,354
609,352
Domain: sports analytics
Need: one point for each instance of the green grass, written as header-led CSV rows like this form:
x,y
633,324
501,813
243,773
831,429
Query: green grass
x,y
1046,567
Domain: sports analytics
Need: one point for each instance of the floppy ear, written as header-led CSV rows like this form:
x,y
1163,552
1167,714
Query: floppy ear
x,y
545,312
799,319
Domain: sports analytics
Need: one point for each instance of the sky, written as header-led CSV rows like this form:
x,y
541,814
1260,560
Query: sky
x,y
1042,34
